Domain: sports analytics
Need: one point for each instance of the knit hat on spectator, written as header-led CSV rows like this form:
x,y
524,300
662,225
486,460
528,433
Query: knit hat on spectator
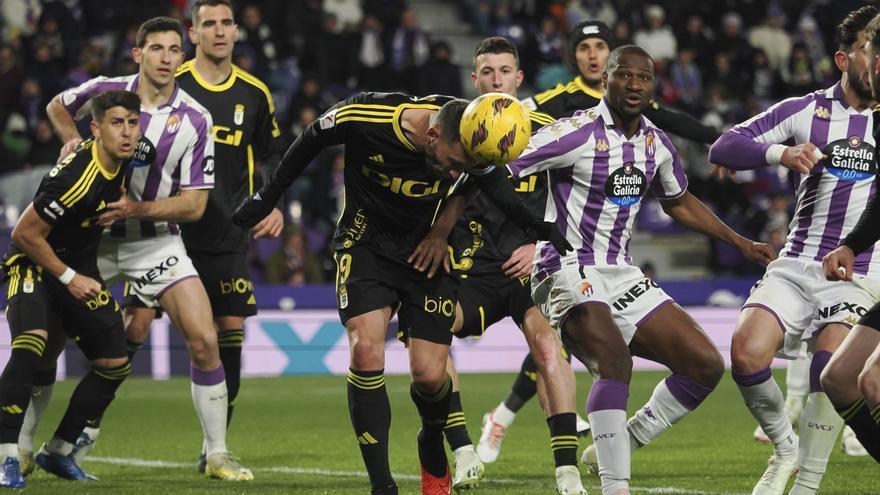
x,y
584,30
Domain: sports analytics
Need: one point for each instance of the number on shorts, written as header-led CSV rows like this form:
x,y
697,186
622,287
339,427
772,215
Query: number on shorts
x,y
343,264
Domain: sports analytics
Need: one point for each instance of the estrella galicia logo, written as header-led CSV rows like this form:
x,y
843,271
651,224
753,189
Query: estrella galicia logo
x,y
850,159
626,185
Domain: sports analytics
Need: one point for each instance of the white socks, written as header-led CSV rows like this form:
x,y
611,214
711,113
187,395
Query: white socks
x,y
503,416
40,398
766,404
820,427
612,448
662,411
211,399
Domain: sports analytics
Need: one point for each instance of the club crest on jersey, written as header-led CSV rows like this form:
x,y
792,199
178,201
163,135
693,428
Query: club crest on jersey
x,y
626,185
238,116
822,113
586,288
173,124
850,159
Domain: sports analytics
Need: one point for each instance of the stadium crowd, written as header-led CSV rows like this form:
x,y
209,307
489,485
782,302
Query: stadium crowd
x,y
721,61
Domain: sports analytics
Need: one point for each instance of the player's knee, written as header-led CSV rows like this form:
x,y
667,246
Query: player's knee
x,y
545,352
202,348
708,367
113,368
746,356
869,382
367,354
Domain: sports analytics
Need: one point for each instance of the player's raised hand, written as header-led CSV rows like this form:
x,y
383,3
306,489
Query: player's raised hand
x,y
801,158
271,226
838,264
520,262
69,147
83,287
759,252
117,210
547,231
430,254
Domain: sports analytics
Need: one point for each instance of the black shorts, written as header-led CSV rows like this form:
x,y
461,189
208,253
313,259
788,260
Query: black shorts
x,y
871,318
487,299
227,282
37,300
367,281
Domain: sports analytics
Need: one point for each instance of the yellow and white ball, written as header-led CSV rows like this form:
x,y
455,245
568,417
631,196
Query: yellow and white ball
x,y
495,128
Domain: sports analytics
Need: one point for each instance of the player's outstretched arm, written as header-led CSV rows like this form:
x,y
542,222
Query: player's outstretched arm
x,y
694,214
30,235
297,157
188,206
681,124
498,188
64,125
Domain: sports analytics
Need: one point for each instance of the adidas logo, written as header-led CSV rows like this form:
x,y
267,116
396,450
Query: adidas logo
x,y
377,158
12,409
367,439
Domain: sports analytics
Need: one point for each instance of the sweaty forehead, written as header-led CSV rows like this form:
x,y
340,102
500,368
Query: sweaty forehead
x,y
634,61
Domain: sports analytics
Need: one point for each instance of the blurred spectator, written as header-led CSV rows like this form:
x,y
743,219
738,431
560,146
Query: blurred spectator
x,y
439,75
590,10
657,39
46,145
258,35
409,51
686,78
20,17
771,221
387,11
732,42
549,44
304,20
45,70
622,33
14,143
49,35
125,42
310,94
698,37
348,13
91,64
11,77
504,25
334,57
810,37
772,38
763,82
33,101
371,54
798,74
293,264
724,74
306,116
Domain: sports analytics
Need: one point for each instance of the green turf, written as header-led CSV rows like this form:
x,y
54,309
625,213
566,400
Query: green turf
x,y
285,427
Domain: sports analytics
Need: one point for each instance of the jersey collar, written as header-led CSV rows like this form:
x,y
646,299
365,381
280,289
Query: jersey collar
x,y
174,101
95,158
607,119
579,82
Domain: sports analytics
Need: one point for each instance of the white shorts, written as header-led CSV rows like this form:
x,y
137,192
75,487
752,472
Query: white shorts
x,y
150,266
631,296
803,301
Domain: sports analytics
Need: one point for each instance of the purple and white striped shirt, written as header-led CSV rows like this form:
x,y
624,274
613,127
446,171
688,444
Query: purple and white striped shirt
x,y
597,178
181,132
833,195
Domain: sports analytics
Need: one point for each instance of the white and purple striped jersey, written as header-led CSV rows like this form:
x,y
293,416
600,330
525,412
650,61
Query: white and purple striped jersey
x,y
181,133
833,195
597,179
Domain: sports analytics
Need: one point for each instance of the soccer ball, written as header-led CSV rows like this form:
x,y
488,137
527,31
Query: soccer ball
x,y
495,128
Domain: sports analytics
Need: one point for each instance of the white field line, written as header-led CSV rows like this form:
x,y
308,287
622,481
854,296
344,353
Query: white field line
x,y
127,461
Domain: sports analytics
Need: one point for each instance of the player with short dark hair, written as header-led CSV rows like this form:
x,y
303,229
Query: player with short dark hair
x,y
55,291
852,377
399,153
601,163
142,245
825,137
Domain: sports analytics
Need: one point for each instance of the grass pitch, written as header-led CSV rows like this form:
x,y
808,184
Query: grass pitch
x,y
294,432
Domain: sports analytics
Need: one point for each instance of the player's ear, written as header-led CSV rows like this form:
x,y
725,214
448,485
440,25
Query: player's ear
x,y
136,55
193,38
841,60
95,128
519,78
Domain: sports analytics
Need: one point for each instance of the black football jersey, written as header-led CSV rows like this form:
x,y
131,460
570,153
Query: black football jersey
x,y
71,196
484,237
245,132
391,193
